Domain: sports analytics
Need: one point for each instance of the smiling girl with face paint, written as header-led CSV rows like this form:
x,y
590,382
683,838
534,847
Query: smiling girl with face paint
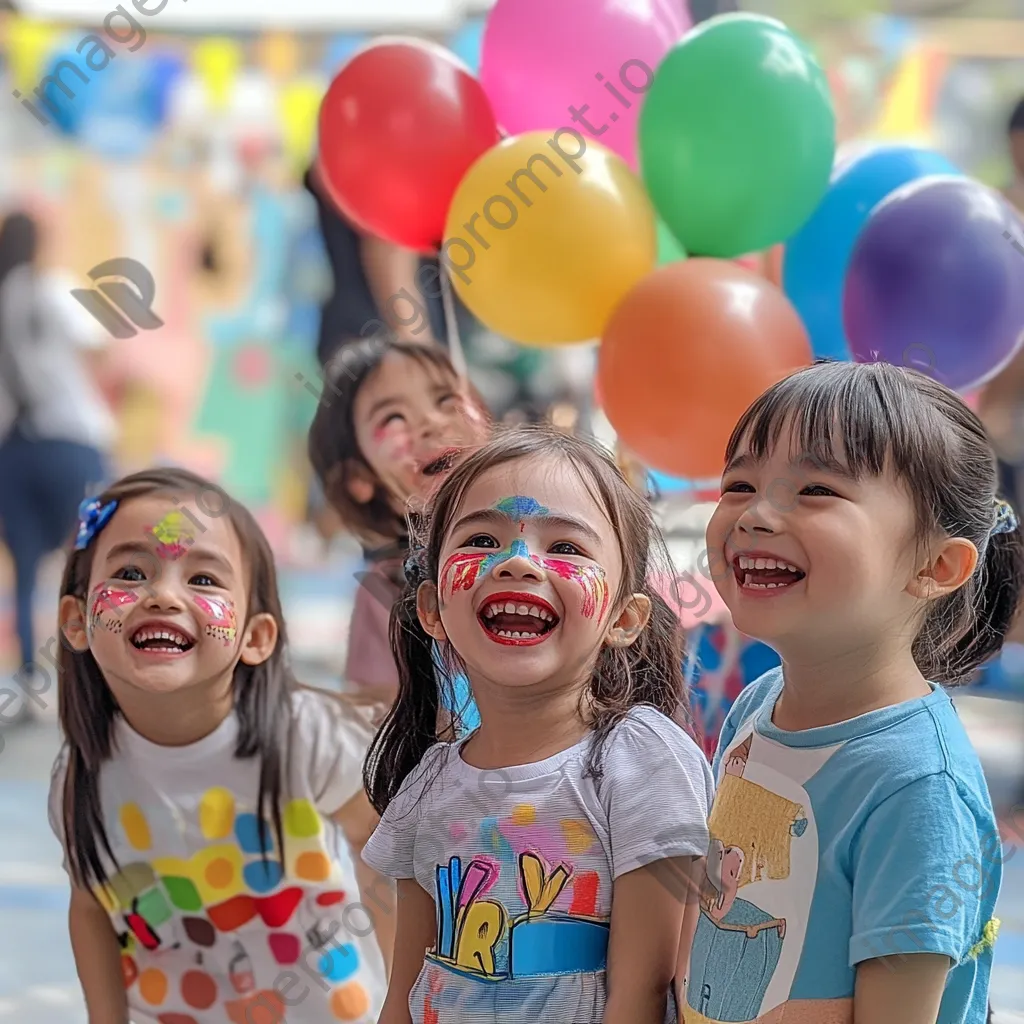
x,y
579,792
203,798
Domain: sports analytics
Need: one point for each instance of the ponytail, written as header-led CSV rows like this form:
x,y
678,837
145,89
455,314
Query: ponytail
x,y
410,728
965,629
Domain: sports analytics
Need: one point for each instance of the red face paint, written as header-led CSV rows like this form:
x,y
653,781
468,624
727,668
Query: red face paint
x,y
105,604
221,612
460,572
591,579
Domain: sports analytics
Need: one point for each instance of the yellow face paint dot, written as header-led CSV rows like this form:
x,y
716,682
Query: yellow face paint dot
x,y
136,828
219,873
217,813
524,815
301,820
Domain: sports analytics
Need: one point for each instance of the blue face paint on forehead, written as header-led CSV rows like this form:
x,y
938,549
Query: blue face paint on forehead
x,y
519,506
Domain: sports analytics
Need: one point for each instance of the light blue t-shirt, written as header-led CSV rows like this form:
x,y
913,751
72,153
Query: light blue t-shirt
x,y
841,844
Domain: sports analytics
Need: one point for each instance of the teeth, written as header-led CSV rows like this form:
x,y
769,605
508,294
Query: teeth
x,y
510,608
490,611
150,634
765,563
523,609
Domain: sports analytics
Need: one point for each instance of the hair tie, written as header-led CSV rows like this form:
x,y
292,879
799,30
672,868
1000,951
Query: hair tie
x,y
1006,518
92,517
415,566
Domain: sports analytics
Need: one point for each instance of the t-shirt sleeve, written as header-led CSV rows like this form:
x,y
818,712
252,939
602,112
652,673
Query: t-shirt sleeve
x,y
55,803
390,850
330,743
369,661
923,879
656,788
67,316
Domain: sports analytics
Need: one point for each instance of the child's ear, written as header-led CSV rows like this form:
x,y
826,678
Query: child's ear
x,y
630,622
950,566
72,623
260,639
429,611
357,480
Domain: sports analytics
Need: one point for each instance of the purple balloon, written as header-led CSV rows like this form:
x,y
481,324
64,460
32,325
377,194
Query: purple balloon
x,y
936,282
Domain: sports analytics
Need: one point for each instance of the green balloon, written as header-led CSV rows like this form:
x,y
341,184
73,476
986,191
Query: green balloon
x,y
737,136
669,249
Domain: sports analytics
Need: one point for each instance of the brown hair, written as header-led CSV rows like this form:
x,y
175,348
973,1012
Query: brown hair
x,y
333,446
88,708
875,417
647,672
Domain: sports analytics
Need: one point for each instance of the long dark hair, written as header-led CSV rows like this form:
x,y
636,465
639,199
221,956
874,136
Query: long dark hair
x,y
88,708
872,416
647,672
333,447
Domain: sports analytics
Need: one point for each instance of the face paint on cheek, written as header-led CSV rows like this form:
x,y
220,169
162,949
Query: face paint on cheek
x,y
460,573
105,603
222,611
174,535
591,579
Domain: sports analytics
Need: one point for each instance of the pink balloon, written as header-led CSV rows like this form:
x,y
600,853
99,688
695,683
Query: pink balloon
x,y
580,64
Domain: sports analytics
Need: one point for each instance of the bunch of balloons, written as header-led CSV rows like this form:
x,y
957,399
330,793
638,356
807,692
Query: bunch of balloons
x,y
606,169
907,261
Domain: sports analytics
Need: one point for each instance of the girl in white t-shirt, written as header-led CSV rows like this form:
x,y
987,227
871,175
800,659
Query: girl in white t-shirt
x,y
206,803
544,863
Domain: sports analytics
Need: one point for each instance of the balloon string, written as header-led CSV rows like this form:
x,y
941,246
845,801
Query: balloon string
x,y
451,322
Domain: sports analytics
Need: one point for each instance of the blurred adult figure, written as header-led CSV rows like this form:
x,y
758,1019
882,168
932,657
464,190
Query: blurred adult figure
x,y
55,426
1015,191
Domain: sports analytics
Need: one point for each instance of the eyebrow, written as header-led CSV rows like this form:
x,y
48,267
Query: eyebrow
x,y
807,464
493,515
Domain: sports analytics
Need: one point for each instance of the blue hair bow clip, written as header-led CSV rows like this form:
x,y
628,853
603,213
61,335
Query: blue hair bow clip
x,y
92,517
1006,518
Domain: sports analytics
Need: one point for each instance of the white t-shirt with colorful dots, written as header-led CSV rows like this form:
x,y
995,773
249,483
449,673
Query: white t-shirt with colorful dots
x,y
210,931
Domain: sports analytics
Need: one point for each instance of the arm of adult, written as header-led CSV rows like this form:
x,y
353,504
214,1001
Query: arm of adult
x,y
391,274
417,927
97,959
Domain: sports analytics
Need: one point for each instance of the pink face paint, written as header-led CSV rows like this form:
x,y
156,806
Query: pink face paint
x,y
460,572
222,613
591,579
174,535
105,603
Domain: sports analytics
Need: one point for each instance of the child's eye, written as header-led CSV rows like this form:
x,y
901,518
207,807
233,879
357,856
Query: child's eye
x,y
395,417
447,398
563,547
130,574
200,579
818,491
481,540
739,487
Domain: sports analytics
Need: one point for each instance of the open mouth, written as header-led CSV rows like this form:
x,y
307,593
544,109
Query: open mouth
x,y
754,572
159,639
517,619
442,463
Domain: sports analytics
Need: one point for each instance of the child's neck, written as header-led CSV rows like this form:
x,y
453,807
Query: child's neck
x,y
178,719
824,689
518,727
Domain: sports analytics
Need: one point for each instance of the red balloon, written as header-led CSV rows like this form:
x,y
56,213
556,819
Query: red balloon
x,y
399,127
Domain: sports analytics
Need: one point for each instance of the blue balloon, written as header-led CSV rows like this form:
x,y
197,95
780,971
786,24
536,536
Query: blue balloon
x,y
818,255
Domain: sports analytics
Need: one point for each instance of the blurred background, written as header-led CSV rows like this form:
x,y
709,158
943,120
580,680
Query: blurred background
x,y
189,153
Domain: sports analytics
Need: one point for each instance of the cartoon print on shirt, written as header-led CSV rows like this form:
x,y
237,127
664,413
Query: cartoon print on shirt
x,y
747,942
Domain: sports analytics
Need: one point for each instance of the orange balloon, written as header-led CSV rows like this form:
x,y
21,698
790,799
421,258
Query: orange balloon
x,y
685,353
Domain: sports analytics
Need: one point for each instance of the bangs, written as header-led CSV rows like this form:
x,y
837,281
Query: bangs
x,y
431,358
846,418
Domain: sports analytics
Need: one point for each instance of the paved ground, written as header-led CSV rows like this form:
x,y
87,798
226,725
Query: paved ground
x,y
37,975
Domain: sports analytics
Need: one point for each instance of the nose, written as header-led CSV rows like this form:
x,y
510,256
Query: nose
x,y
518,564
162,590
759,518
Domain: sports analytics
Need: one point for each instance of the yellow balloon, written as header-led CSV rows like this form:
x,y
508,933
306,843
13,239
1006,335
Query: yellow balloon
x,y
546,235
217,61
300,105
29,44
